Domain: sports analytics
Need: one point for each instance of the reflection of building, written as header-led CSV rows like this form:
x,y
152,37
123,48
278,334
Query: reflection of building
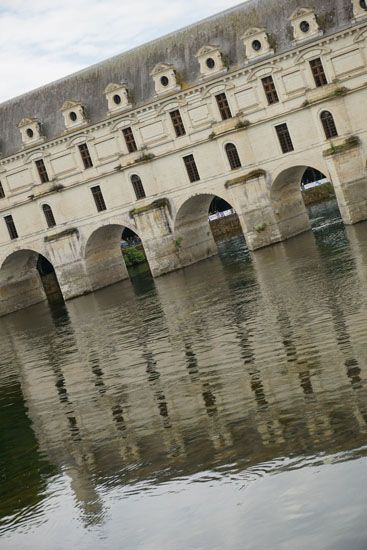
x,y
230,108
125,387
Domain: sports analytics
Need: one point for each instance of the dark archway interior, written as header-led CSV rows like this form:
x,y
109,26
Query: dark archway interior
x,y
49,280
133,252
223,220
219,205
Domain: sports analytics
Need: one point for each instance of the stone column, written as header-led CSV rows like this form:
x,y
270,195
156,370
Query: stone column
x,y
347,166
154,225
65,255
250,195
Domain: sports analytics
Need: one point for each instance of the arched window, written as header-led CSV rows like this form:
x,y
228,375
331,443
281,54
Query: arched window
x,y
328,124
50,220
138,187
232,154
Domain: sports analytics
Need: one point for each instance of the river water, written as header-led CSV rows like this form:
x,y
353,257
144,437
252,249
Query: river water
x,y
220,407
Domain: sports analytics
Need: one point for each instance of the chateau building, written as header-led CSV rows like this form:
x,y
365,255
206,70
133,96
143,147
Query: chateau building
x,y
236,106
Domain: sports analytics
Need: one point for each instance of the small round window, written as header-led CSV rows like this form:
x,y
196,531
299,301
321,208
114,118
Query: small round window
x,y
73,116
363,4
256,45
117,99
164,81
29,132
305,26
210,63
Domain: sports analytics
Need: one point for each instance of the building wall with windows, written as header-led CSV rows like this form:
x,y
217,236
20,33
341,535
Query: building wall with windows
x,y
276,64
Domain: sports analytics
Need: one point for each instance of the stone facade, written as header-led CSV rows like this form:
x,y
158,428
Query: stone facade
x,y
63,141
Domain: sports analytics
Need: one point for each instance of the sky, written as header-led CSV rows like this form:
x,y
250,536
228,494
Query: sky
x,y
43,40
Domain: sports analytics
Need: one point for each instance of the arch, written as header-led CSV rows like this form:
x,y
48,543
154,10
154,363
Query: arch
x,y
49,216
137,186
103,256
232,156
27,278
328,124
287,201
192,231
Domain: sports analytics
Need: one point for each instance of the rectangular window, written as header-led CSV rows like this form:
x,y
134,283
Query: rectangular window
x,y
13,233
98,198
130,140
2,192
191,168
84,153
318,72
177,123
42,172
270,90
284,138
223,106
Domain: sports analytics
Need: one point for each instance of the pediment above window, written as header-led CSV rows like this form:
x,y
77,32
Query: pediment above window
x,y
74,114
117,96
165,79
256,42
304,25
359,9
211,61
31,132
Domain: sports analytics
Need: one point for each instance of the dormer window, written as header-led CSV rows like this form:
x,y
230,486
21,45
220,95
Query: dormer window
x,y
304,24
30,129
165,79
117,97
359,9
74,114
256,42
210,61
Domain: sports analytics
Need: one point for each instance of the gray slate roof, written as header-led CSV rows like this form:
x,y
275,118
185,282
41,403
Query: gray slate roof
x,y
178,48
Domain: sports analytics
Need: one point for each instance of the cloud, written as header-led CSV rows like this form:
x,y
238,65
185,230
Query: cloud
x,y
41,41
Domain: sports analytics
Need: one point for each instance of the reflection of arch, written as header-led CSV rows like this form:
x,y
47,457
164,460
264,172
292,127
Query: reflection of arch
x,y
103,257
192,233
26,278
287,201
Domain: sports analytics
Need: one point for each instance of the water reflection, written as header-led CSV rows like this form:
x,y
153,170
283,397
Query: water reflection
x,y
240,366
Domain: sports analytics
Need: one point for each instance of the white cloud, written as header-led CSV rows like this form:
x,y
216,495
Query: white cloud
x,y
41,41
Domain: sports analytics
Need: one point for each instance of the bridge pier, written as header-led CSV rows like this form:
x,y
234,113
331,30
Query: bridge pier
x,y
347,166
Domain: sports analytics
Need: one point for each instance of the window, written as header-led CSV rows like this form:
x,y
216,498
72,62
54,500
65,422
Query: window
x,y
328,124
129,140
191,168
284,138
98,198
318,72
50,220
84,153
177,123
270,90
223,106
42,172
11,227
138,187
2,192
233,158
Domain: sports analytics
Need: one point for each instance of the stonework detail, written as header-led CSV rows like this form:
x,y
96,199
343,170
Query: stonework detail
x,y
359,9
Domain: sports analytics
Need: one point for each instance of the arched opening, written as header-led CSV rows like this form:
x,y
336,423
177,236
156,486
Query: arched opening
x,y
202,222
114,253
328,124
27,278
303,197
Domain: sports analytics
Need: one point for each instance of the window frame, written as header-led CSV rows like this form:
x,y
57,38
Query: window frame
x,y
328,124
98,198
223,105
49,215
270,90
2,192
191,168
42,170
284,138
318,72
85,155
138,187
232,156
177,123
11,227
129,138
